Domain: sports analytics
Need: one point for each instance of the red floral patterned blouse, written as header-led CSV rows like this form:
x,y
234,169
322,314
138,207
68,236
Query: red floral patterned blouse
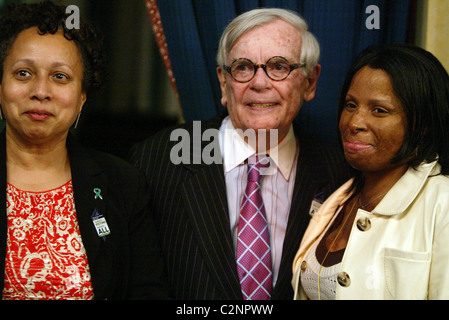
x,y
45,256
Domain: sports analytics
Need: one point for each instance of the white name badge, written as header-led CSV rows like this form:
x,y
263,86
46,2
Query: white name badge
x,y
101,226
314,207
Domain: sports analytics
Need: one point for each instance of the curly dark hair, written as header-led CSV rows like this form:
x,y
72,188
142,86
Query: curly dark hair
x,y
49,18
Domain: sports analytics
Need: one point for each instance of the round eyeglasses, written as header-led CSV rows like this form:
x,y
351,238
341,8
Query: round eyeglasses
x,y
276,68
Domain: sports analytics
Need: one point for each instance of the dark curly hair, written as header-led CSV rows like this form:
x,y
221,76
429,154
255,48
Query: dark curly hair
x,y
49,18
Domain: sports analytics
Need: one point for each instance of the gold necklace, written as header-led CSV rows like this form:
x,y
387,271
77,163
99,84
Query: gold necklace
x,y
363,206
332,244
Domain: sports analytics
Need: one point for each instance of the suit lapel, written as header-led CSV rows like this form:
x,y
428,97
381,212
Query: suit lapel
x,y
90,193
310,180
205,197
204,193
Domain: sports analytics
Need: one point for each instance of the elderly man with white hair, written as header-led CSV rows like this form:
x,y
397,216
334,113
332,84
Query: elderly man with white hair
x,y
229,229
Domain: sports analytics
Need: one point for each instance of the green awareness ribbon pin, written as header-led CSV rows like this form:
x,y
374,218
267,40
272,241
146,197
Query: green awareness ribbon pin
x,y
98,193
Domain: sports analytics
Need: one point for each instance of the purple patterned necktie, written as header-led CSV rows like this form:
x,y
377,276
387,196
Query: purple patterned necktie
x,y
253,239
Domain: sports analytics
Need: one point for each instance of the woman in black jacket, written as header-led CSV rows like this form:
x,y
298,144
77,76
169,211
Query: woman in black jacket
x,y
76,224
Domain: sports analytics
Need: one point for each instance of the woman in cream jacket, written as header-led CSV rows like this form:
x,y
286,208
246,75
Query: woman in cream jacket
x,y
384,234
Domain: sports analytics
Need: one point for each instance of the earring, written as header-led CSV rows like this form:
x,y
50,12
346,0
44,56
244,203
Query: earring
x,y
77,119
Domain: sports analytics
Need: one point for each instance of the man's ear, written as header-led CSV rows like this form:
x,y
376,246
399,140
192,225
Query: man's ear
x,y
222,79
312,80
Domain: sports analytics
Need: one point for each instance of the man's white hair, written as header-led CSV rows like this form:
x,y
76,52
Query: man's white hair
x,y
310,49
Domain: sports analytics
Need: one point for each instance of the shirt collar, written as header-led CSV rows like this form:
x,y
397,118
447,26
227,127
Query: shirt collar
x,y
400,196
406,189
235,150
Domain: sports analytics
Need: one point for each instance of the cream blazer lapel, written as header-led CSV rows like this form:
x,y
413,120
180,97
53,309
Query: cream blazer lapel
x,y
317,225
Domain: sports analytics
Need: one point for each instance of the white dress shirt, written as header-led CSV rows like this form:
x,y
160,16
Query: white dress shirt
x,y
277,186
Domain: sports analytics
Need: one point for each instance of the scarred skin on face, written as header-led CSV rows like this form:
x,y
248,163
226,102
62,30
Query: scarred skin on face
x,y
373,123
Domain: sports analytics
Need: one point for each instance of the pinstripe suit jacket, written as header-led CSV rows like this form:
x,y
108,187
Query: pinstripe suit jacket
x,y
191,213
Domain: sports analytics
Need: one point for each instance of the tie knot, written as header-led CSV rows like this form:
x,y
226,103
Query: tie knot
x,y
256,164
